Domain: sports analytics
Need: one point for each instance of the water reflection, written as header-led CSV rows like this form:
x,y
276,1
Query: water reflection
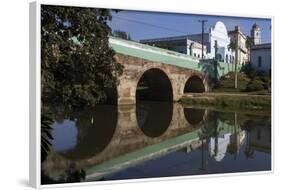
x,y
150,121
111,142
68,130
258,138
194,116
86,135
223,146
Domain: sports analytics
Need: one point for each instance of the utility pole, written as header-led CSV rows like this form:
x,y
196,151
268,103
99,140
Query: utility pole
x,y
202,35
237,46
235,68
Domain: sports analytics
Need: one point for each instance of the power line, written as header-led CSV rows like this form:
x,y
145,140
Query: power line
x,y
148,24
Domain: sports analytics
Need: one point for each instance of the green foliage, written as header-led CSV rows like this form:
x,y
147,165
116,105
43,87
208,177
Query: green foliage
x,y
71,175
255,85
249,42
211,67
76,61
46,135
234,102
249,71
226,83
77,65
248,81
232,45
209,129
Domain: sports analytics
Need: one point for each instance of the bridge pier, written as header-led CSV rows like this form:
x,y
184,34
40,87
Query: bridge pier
x,y
127,92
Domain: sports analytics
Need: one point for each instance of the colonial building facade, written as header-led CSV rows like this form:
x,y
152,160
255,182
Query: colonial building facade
x,y
240,39
260,54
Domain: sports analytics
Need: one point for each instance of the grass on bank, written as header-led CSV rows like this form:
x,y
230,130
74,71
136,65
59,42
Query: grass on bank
x,y
231,102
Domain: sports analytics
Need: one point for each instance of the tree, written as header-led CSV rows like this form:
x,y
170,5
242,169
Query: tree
x,y
249,44
77,64
233,45
121,34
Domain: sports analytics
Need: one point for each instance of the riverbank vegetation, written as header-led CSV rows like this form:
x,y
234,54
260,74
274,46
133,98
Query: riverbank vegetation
x,y
229,101
249,81
252,93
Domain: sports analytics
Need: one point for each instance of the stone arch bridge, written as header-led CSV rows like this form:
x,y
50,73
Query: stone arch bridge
x,y
169,74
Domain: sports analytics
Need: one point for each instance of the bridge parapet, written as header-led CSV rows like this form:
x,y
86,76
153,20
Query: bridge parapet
x,y
165,56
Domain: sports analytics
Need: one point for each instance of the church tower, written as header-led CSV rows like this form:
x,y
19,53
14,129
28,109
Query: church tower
x,y
256,34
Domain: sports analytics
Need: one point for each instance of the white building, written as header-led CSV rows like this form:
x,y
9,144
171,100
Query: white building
x,y
191,44
260,57
194,48
240,39
218,34
181,44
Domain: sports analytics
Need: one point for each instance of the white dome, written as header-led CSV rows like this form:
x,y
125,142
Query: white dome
x,y
220,28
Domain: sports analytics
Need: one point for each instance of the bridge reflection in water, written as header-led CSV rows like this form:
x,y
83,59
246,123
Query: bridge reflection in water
x,y
108,142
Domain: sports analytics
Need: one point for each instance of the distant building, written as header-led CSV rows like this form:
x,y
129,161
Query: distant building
x,y
256,34
240,39
181,44
191,44
195,49
259,55
260,58
218,34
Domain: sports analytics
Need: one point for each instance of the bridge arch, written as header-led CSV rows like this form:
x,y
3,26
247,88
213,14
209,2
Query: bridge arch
x,y
194,84
154,94
174,79
154,84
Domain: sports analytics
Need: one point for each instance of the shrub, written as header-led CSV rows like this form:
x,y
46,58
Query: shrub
x,y
255,85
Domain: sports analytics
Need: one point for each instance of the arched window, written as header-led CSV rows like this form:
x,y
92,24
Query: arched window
x,y
226,58
191,49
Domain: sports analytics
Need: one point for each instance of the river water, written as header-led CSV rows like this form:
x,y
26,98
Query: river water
x,y
156,139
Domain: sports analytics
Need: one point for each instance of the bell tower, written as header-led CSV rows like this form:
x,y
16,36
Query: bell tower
x,y
256,34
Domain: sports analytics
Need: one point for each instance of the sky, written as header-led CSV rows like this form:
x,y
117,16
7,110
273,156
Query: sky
x,y
145,25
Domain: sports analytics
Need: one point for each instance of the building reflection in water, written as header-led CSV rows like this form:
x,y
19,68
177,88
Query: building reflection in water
x,y
110,138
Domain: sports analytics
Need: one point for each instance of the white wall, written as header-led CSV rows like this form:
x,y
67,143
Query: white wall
x,y
198,52
265,59
219,33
